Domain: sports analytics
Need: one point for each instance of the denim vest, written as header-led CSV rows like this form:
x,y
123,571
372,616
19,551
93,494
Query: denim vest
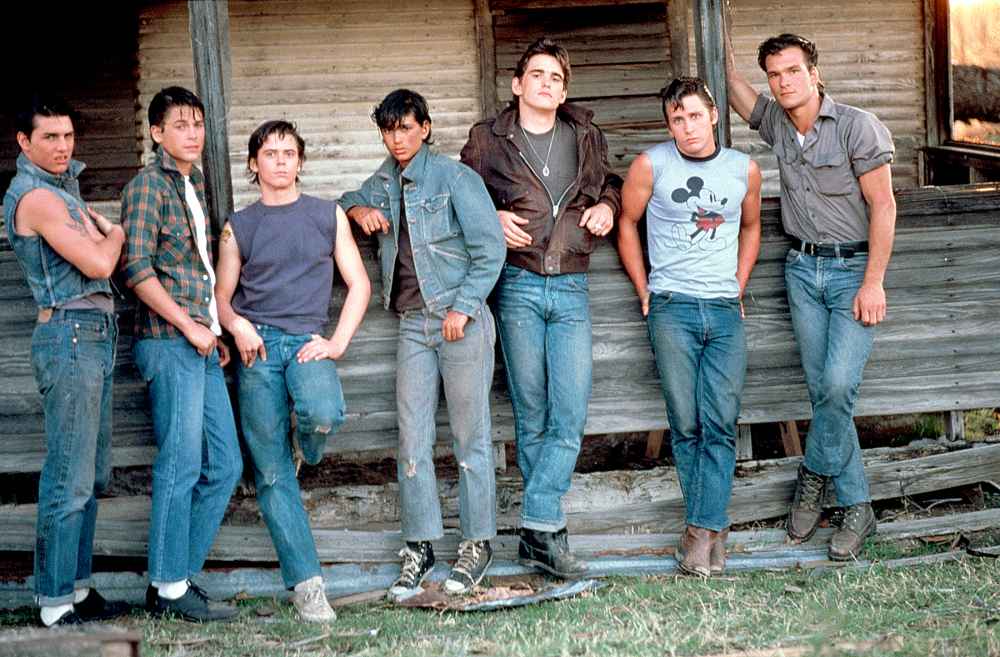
x,y
53,280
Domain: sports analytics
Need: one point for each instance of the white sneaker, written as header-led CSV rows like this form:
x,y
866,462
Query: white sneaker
x,y
311,603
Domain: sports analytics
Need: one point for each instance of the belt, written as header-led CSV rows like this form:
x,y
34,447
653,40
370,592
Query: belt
x,y
834,250
46,315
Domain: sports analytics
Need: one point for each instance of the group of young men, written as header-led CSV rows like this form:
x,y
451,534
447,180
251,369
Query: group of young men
x,y
517,218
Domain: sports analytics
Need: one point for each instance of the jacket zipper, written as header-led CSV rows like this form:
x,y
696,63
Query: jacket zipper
x,y
555,204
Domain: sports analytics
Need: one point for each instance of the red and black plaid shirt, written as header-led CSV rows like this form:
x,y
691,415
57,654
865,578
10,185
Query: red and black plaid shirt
x,y
160,242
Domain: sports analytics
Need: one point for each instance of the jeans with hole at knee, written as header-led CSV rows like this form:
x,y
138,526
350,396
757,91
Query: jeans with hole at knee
x,y
700,350
423,360
73,357
545,332
198,461
834,348
268,390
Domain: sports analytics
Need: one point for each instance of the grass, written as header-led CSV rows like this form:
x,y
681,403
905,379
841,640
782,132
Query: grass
x,y
943,609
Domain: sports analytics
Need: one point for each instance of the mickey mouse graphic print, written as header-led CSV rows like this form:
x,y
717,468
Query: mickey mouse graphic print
x,y
693,221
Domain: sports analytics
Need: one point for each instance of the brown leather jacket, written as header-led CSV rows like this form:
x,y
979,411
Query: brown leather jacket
x,y
558,244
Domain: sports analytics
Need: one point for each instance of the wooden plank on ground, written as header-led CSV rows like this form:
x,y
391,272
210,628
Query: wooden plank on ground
x,y
790,438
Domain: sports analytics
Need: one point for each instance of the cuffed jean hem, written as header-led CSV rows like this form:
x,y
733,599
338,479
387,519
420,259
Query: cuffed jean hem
x,y
542,525
708,524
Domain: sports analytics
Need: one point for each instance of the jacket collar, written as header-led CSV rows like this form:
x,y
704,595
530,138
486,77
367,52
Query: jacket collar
x,y
828,108
56,180
415,171
569,112
168,163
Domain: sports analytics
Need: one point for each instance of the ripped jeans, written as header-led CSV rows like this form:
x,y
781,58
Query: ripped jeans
x,y
423,359
265,390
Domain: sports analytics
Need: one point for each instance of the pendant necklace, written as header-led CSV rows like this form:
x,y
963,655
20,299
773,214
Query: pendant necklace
x,y
545,162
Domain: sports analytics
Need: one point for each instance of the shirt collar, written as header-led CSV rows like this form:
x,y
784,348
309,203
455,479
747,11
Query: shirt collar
x,y
413,172
56,180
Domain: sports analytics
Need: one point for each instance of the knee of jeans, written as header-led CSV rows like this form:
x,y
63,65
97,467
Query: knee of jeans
x,y
839,385
320,421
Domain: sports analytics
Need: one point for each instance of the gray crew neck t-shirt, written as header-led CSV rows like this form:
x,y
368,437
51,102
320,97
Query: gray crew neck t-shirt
x,y
287,263
562,161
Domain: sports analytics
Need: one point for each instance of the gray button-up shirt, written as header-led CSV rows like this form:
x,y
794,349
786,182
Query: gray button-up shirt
x,y
821,198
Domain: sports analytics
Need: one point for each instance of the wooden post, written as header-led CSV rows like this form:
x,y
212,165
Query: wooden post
x,y
790,438
486,46
677,28
654,443
709,33
209,25
744,444
954,425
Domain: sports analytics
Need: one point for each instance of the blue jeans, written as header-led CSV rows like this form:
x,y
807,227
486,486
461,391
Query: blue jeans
x,y
198,462
701,357
834,348
545,332
73,356
424,358
265,390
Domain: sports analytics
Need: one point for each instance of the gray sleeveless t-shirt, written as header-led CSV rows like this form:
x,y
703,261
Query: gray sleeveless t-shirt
x,y
693,221
287,263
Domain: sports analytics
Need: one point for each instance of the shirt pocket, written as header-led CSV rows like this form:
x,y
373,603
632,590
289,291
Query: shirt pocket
x,y
833,173
174,243
788,168
436,221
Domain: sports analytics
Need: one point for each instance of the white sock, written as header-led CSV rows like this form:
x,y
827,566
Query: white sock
x,y
171,590
51,614
79,595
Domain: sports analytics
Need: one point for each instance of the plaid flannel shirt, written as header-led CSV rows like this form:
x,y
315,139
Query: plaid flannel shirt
x,y
160,241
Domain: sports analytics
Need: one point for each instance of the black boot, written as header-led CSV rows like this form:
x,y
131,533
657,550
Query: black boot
x,y
550,552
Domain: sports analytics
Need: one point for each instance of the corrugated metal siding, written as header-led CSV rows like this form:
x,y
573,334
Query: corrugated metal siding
x,y
871,55
324,66
620,59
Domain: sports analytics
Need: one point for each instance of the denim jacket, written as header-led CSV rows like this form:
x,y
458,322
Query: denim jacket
x,y
458,244
53,280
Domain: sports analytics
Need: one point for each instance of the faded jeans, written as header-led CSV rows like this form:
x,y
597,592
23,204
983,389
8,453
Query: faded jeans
x,y
424,359
73,356
700,350
546,336
198,461
834,348
265,390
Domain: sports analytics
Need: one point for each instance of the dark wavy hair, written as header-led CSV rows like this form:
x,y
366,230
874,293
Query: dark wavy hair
x,y
673,95
399,104
260,135
41,104
776,44
544,46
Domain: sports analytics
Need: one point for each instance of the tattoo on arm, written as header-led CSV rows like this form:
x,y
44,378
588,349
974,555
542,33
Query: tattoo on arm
x,y
227,234
77,226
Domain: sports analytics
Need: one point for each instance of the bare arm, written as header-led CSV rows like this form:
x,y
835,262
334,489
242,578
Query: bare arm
x,y
150,291
742,96
94,250
359,291
876,186
636,193
227,276
749,240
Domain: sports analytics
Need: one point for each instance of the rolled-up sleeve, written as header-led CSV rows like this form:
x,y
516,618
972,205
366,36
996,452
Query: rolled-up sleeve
x,y
869,143
764,117
140,219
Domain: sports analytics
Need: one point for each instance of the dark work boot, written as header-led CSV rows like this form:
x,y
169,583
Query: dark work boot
x,y
859,524
95,608
717,560
550,552
807,505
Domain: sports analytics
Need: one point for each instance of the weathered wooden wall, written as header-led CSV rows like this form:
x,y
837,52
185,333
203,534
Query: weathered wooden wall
x,y
620,58
87,58
325,66
938,349
871,55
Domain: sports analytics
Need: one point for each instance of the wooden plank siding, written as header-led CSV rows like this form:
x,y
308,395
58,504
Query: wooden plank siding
x,y
620,58
325,66
937,350
871,55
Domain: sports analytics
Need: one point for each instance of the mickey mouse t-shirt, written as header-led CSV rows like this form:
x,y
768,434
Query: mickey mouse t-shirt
x,y
693,221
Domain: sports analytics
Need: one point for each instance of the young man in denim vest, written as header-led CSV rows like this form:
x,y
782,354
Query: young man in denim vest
x,y
67,252
702,208
275,278
545,165
441,250
837,205
168,262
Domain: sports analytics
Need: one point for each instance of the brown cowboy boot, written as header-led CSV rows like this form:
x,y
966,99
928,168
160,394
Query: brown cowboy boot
x,y
717,559
859,524
693,553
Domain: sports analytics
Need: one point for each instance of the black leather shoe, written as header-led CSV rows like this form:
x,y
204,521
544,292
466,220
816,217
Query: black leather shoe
x,y
95,608
193,606
550,552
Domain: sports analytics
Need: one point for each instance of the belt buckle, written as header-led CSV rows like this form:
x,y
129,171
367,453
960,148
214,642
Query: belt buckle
x,y
810,249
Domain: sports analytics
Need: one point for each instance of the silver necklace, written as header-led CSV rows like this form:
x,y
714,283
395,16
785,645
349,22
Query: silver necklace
x,y
545,162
